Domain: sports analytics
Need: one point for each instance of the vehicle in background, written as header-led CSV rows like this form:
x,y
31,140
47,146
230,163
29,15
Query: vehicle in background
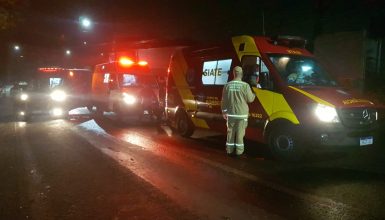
x,y
159,58
54,92
127,87
17,88
17,94
6,90
298,107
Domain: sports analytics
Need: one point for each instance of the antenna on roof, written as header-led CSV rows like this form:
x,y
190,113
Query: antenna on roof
x,y
263,23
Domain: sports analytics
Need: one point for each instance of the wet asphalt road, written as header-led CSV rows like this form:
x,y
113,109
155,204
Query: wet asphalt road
x,y
101,169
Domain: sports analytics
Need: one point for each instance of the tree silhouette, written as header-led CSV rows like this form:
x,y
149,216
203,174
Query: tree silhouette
x,y
11,12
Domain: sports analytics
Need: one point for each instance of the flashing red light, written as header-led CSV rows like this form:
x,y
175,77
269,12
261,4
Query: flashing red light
x,y
50,69
142,63
71,73
125,61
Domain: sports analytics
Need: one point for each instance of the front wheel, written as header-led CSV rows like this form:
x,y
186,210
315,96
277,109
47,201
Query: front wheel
x,y
285,144
184,126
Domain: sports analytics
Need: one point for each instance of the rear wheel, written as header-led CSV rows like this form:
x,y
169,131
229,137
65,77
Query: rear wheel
x,y
285,144
183,125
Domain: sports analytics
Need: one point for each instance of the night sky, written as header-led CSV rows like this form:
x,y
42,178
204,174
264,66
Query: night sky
x,y
47,28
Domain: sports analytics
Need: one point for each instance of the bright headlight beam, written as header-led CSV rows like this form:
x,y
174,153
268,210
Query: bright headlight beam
x,y
58,95
326,113
57,112
24,97
129,99
306,68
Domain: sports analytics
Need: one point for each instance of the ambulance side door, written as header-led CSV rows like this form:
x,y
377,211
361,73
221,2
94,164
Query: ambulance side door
x,y
100,81
215,74
256,72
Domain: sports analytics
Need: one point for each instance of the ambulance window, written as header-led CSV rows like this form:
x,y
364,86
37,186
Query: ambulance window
x,y
301,71
131,79
216,72
128,80
255,71
53,82
264,68
106,78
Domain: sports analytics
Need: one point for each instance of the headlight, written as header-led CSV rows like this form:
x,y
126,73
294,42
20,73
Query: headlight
x,y
24,97
57,112
58,96
129,99
326,113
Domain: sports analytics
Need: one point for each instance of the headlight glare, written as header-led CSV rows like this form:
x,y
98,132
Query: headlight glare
x,y
24,97
129,99
57,112
326,113
58,96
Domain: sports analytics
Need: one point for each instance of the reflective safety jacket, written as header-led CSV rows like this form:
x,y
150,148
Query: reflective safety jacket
x,y
235,96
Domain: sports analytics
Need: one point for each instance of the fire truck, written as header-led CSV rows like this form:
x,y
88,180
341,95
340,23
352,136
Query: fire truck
x,y
127,87
54,91
298,105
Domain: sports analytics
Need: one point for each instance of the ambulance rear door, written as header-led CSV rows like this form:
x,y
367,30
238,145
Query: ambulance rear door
x,y
101,82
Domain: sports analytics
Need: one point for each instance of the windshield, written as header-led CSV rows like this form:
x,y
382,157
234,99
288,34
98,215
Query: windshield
x,y
135,80
301,71
43,84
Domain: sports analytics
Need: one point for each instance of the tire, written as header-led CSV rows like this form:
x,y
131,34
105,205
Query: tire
x,y
184,126
285,145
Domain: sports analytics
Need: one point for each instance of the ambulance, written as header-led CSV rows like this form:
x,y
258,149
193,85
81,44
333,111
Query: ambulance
x,y
54,91
127,87
298,105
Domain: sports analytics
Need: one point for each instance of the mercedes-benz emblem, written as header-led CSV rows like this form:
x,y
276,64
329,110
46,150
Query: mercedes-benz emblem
x,y
365,114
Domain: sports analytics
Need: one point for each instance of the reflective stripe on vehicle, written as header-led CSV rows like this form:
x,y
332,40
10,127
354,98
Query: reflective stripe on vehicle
x,y
178,71
238,116
313,97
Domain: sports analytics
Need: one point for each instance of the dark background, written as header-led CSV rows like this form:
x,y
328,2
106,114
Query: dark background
x,y
45,29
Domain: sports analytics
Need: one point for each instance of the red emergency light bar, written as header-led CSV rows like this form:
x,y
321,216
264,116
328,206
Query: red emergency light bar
x,y
127,62
50,69
142,63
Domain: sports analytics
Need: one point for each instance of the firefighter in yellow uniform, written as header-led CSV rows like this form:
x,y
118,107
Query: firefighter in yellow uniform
x,y
235,96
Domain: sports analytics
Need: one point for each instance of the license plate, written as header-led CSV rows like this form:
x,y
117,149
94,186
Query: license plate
x,y
366,141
